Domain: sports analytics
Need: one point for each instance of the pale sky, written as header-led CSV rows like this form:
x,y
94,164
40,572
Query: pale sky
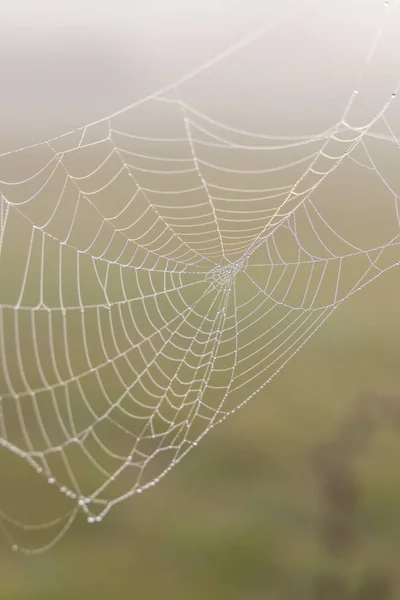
x,y
66,63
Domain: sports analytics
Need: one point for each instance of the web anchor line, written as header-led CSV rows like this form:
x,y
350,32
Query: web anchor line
x,y
154,284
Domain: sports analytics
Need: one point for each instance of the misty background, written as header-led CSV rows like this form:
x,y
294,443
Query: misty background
x,y
295,496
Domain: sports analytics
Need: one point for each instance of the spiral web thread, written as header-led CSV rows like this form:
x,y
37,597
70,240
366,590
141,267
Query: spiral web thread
x,y
148,295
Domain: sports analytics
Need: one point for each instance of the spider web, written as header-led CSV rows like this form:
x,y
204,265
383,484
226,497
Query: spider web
x,y
154,284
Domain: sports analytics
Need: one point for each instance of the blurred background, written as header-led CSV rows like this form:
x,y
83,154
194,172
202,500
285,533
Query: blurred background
x,y
295,496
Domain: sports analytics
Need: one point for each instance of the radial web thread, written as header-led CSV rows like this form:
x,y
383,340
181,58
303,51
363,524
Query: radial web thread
x,y
152,285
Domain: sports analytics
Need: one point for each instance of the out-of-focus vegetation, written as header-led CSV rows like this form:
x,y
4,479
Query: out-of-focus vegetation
x,y
295,496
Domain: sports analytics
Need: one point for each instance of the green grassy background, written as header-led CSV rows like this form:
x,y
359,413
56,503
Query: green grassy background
x,y
242,517
249,514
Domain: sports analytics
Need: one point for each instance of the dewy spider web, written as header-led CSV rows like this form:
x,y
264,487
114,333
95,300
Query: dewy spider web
x,y
154,284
